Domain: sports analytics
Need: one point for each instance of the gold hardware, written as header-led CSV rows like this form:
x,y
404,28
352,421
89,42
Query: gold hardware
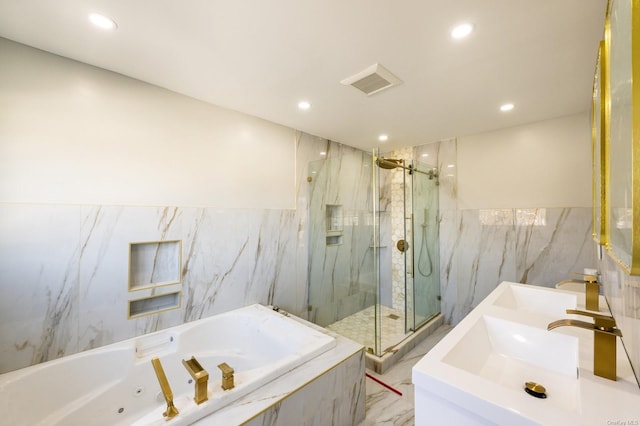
x,y
592,290
402,245
604,340
201,378
601,322
227,376
389,163
171,411
535,387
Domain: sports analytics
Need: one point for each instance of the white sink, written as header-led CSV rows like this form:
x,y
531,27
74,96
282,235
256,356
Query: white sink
x,y
539,300
476,375
510,354
499,345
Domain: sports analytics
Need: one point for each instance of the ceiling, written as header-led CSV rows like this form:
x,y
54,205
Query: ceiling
x,y
262,57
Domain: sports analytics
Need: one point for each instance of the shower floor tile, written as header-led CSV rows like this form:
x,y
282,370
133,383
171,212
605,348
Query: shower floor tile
x,y
360,327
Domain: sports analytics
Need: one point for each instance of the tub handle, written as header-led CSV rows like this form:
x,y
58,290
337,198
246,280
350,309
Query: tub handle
x,y
227,376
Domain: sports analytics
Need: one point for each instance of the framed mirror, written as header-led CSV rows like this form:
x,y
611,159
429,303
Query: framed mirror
x,y
600,148
622,37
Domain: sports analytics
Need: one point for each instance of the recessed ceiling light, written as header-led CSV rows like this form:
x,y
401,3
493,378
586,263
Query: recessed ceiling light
x,y
383,138
461,31
304,105
506,107
102,21
451,166
323,153
425,155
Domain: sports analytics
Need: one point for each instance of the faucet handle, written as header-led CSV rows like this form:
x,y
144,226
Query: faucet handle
x,y
227,376
602,322
588,278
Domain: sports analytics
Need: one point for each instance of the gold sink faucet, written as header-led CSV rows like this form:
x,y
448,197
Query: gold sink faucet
x,y
201,377
171,410
227,376
604,340
592,290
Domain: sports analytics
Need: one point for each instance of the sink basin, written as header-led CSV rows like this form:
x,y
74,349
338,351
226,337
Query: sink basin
x,y
500,347
509,354
576,287
538,300
476,374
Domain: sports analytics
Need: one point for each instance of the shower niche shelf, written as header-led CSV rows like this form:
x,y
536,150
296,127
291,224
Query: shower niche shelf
x,y
334,240
334,224
155,270
335,221
154,304
154,263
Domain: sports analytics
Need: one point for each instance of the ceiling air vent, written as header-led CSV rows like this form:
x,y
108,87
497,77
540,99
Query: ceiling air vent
x,y
372,80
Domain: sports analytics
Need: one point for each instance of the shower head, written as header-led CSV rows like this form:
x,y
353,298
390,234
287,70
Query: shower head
x,y
388,163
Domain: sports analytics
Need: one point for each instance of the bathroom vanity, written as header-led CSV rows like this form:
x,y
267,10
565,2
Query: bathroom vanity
x,y
479,373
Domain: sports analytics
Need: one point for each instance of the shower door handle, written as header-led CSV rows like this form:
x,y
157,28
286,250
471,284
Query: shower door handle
x,y
402,245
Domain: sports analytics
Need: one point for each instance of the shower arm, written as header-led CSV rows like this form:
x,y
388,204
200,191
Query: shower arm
x,y
430,173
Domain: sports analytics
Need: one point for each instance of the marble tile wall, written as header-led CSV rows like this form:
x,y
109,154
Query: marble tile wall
x,y
314,405
400,185
63,268
63,272
340,272
481,248
623,295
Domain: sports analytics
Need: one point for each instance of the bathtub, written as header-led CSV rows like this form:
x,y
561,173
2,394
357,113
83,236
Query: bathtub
x,y
117,385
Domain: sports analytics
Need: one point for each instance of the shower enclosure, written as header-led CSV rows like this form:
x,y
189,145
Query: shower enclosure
x,y
373,267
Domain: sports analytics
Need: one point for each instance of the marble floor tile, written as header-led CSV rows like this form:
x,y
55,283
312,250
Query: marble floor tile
x,y
384,407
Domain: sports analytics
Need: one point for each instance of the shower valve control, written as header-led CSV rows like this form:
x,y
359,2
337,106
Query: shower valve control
x,y
402,245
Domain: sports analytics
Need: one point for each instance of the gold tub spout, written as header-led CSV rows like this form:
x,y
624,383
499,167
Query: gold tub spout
x,y
171,410
201,378
227,376
604,340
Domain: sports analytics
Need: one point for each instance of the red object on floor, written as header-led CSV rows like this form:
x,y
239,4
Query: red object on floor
x,y
383,384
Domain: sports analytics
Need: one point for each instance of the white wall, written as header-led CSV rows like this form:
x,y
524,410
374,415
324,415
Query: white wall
x,y
73,133
545,164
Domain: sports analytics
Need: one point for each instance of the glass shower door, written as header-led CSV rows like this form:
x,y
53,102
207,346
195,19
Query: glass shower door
x,y
423,290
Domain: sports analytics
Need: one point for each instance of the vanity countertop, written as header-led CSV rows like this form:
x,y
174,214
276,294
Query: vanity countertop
x,y
478,371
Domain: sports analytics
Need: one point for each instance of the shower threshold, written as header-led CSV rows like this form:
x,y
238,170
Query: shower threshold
x,y
396,343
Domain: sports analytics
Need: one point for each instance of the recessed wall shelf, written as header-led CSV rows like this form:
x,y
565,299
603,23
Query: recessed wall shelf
x,y
154,304
334,224
154,263
334,240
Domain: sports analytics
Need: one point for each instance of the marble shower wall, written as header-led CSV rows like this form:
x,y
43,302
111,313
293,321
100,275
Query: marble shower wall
x,y
479,248
400,188
340,254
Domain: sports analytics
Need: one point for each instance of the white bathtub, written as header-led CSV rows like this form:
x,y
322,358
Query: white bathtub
x,y
116,384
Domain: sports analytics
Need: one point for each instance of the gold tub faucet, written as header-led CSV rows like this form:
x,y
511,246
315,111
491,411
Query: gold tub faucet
x,y
201,377
604,340
171,410
227,376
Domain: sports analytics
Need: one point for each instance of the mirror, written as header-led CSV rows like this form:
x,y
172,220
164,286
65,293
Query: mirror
x,y
600,148
622,35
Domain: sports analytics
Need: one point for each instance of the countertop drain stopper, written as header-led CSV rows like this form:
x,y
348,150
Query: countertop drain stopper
x,y
535,389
